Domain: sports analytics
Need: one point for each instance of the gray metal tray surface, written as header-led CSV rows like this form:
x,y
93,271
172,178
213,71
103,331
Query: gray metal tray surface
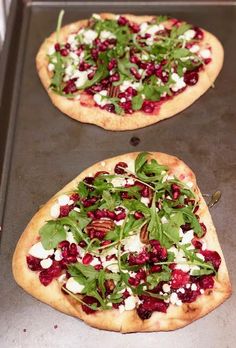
x,y
45,150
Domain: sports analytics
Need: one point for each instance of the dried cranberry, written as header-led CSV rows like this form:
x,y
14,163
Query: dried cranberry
x,y
138,215
116,305
57,47
133,281
134,59
64,210
199,33
64,52
94,53
64,244
148,106
155,269
188,296
141,275
207,61
55,269
74,197
70,87
135,72
191,78
73,249
45,278
91,75
204,229
206,282
118,168
186,227
122,20
120,216
33,263
90,214
145,192
82,244
83,66
179,278
139,259
175,189
105,242
87,259
143,313
112,64
89,202
98,267
101,172
126,294
127,106
154,304
196,243
134,27
111,215
90,301
213,257
109,108
115,77
130,91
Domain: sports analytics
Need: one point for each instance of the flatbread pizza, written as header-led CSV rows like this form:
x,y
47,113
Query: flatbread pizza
x,y
129,245
124,72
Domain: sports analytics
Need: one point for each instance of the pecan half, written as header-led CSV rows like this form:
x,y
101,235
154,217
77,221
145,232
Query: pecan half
x,y
101,225
144,234
110,285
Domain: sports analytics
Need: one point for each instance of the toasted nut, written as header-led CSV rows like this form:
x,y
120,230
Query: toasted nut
x,y
109,284
144,234
101,225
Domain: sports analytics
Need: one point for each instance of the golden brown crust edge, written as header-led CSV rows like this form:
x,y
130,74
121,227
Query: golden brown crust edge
x,y
138,119
128,321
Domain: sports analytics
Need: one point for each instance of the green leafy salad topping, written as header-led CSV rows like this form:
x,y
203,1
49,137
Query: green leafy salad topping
x,y
126,234
126,67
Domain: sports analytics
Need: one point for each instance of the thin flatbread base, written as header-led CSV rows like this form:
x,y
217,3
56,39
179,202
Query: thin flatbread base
x,y
80,111
128,321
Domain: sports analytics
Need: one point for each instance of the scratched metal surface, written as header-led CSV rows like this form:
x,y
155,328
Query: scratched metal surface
x,y
49,149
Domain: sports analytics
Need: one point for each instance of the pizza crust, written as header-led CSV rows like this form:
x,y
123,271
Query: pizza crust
x,y
127,321
139,119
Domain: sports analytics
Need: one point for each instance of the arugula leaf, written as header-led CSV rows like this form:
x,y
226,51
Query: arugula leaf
x,y
137,102
113,234
59,23
140,161
110,200
177,31
74,226
81,218
201,272
86,270
82,190
155,278
181,52
56,81
171,230
134,205
51,234
189,217
132,225
155,226
100,74
160,19
124,66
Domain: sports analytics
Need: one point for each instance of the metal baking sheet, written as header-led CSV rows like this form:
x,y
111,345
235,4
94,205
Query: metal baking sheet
x,y
45,150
